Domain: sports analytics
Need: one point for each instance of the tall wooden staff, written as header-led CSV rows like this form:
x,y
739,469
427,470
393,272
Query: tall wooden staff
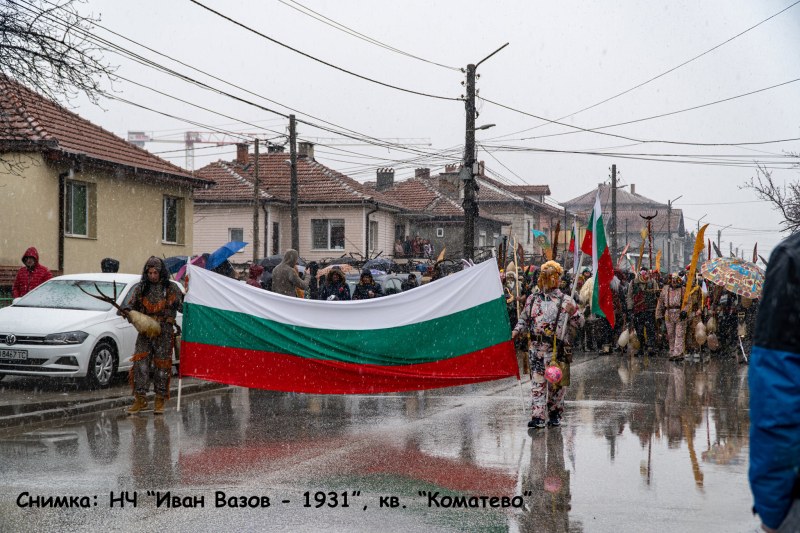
x,y
649,220
516,276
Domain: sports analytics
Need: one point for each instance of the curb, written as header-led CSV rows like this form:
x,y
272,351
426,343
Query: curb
x,y
93,406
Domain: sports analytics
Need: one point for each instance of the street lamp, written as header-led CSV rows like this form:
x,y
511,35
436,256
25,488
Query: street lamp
x,y
670,262
719,237
698,222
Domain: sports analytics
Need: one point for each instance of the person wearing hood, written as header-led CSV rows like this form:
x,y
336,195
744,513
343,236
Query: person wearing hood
x,y
409,283
367,288
254,277
335,287
160,299
31,275
285,279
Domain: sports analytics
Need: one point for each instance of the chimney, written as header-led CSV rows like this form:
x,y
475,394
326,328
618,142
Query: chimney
x,y
305,150
242,150
633,188
451,169
274,148
385,179
481,168
422,173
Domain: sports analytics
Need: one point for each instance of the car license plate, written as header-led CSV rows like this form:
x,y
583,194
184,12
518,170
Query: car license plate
x,y
14,354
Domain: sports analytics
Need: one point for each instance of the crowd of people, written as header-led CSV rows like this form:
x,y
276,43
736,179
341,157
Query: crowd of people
x,y
649,315
413,247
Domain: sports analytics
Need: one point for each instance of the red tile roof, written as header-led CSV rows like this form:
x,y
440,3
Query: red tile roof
x,y
31,122
418,195
316,182
530,190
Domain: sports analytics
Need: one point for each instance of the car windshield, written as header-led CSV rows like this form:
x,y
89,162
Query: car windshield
x,y
65,294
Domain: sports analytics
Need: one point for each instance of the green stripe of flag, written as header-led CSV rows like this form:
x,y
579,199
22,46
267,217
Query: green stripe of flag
x,y
441,338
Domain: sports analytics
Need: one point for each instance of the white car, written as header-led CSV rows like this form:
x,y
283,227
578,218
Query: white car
x,y
58,331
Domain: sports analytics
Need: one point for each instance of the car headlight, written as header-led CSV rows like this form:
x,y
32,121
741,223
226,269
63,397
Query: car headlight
x,y
68,337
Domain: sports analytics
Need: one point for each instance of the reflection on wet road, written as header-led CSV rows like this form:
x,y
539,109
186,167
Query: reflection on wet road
x,y
645,443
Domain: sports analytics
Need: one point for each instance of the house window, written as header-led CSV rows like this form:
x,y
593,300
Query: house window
x,y
172,220
440,232
482,238
373,234
77,209
327,233
236,234
399,232
80,209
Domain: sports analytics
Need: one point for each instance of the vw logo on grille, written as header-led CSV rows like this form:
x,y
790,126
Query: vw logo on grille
x,y
11,339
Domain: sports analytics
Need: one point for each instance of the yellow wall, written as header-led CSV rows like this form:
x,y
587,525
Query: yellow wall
x,y
128,219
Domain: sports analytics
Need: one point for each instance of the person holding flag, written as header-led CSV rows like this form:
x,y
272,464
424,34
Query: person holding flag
x,y
551,318
595,245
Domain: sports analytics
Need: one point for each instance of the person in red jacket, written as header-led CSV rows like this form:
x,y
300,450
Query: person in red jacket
x,y
31,275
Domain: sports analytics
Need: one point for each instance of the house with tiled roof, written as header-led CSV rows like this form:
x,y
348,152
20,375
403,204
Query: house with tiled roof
x,y
337,215
631,207
431,214
79,193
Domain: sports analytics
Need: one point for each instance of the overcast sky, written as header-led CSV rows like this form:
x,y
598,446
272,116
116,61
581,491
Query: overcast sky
x,y
562,58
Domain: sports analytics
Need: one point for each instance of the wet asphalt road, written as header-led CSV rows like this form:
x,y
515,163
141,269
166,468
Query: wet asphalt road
x,y
646,445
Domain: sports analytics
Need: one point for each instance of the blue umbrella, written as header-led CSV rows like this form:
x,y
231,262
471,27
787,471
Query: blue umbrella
x,y
222,253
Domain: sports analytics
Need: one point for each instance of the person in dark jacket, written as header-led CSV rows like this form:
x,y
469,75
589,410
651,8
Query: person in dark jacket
x,y
335,287
285,279
160,299
109,265
31,275
254,278
409,283
367,288
774,380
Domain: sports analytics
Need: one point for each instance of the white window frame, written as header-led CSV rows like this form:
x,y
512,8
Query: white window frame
x,y
164,222
482,238
231,237
440,232
329,222
69,211
373,234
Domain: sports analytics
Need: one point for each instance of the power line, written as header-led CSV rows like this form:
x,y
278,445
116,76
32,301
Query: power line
x,y
594,129
632,139
678,66
309,56
341,27
152,64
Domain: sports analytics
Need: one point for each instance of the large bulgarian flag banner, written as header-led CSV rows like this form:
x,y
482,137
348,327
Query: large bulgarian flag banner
x,y
594,244
450,332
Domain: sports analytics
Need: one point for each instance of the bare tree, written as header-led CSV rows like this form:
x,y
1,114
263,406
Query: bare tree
x,y
785,198
46,45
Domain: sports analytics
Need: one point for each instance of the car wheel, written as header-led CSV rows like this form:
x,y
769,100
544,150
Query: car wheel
x,y
102,365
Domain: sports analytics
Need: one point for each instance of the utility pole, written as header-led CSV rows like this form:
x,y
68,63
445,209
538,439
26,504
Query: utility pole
x,y
470,205
614,214
467,174
256,194
293,183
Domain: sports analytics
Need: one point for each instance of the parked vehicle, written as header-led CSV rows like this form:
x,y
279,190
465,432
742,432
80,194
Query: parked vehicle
x,y
390,283
58,331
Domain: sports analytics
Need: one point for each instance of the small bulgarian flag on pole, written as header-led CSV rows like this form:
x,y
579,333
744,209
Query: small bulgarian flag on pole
x,y
594,244
573,247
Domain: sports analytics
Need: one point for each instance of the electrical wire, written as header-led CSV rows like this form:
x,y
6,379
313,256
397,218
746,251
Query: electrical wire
x,y
673,69
661,115
305,10
146,62
309,56
632,139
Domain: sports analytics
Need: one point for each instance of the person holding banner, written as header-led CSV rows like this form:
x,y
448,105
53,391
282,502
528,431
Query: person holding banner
x,y
159,299
550,316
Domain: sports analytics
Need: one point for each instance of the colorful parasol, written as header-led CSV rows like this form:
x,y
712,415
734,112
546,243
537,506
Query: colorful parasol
x,y
736,275
344,268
